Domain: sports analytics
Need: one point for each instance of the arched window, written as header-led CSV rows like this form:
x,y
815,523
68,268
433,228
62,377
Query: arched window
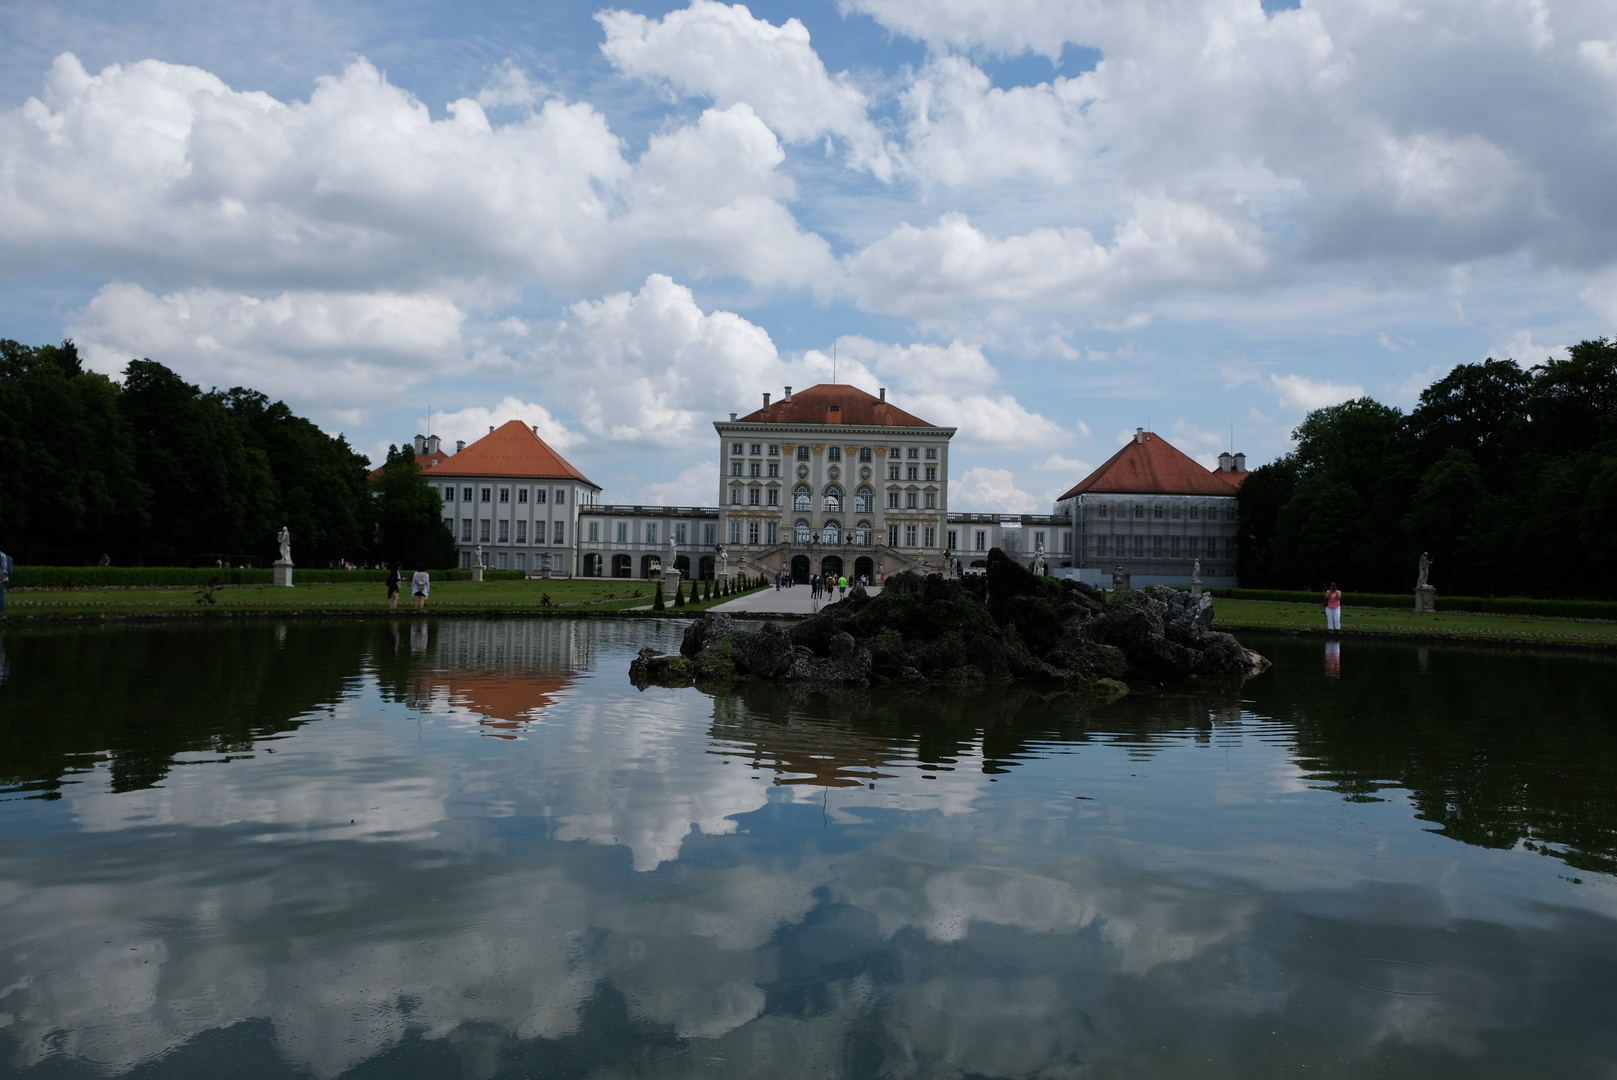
x,y
802,498
800,533
831,533
833,498
864,500
861,534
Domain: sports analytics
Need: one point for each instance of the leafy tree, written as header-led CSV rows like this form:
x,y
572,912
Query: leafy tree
x,y
1450,504
1261,496
1479,408
409,516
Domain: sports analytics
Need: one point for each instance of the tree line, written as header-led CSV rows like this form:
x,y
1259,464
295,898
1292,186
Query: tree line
x,y
1506,476
155,471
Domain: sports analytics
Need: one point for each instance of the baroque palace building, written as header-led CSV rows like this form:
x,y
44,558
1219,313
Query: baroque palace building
x,y
834,480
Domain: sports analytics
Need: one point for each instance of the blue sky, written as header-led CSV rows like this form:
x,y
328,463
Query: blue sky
x,y
1043,222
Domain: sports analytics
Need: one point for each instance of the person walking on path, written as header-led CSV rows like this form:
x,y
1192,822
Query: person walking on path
x,y
777,581
842,586
393,582
421,585
1333,608
7,568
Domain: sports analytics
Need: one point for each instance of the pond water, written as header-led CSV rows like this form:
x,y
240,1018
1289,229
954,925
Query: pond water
x,y
464,848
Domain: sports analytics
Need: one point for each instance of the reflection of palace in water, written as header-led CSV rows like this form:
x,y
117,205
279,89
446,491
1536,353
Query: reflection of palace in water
x,y
503,674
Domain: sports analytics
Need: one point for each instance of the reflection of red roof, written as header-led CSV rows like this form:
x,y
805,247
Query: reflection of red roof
x,y
1148,465
514,450
507,703
834,403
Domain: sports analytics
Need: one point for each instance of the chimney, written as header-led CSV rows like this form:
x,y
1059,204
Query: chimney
x,y
1139,434
766,399
833,415
433,443
460,444
534,428
882,393
491,429
1240,463
421,444
732,417
1225,462
788,397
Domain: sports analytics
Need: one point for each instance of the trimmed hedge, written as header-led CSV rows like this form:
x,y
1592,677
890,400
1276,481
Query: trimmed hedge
x,y
104,577
1479,605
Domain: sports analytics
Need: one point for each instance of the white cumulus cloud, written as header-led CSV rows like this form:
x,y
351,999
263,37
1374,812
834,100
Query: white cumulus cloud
x,y
986,490
1302,394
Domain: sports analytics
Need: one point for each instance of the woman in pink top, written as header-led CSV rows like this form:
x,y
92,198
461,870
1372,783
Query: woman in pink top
x,y
1333,608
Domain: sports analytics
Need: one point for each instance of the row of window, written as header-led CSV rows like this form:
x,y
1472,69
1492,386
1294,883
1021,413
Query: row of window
x,y
832,453
864,500
486,494
502,561
832,534
650,534
980,541
486,530
1194,513
1164,545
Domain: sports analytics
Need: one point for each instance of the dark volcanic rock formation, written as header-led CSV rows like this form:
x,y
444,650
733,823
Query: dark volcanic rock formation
x,y
1004,626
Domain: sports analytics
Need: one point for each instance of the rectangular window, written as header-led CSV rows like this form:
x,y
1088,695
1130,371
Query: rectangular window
x,y
735,468
1195,513
774,496
932,453
913,473
864,455
1173,546
1156,512
735,532
539,495
466,531
931,500
1156,547
505,495
756,469
892,500
1139,511
752,532
1195,545
449,523
932,473
560,535
651,532
505,531
774,450
802,453
892,472
449,493
833,453
892,536
499,561
595,532
894,452
466,559
774,468
1100,511
954,542
1176,513
735,496
909,536
522,561
931,540
1066,543
914,453
623,532
679,533
735,448
465,494
708,531
483,531
1139,547
561,496
982,539
774,532
909,499
1100,546
522,532
757,448
522,496
488,494
1038,539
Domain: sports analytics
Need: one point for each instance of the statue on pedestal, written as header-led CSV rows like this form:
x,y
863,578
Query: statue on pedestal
x,y
724,562
1196,570
284,538
1425,567
1038,559
673,552
477,556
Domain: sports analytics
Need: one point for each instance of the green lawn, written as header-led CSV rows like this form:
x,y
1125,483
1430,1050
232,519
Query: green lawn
x,y
577,594
1269,615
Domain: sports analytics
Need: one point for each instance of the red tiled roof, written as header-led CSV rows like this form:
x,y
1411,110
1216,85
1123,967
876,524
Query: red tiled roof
x,y
1233,479
422,462
1153,467
851,405
513,450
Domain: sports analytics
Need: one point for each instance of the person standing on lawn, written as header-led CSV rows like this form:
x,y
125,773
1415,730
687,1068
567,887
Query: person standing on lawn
x,y
1333,608
7,568
394,579
421,585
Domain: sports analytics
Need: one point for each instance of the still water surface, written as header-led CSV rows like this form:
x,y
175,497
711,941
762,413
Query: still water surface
x,y
460,848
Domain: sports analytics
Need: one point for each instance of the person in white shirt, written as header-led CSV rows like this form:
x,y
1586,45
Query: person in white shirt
x,y
421,585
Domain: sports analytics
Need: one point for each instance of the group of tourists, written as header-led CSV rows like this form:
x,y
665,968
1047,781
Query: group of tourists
x,y
420,586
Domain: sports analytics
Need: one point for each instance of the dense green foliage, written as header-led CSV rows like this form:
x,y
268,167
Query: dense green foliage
x,y
155,471
140,577
1506,477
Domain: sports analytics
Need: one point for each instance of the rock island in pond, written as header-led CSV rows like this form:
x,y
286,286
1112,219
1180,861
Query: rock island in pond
x,y
1008,625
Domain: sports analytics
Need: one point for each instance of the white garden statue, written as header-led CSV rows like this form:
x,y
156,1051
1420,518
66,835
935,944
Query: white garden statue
x,y
284,538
